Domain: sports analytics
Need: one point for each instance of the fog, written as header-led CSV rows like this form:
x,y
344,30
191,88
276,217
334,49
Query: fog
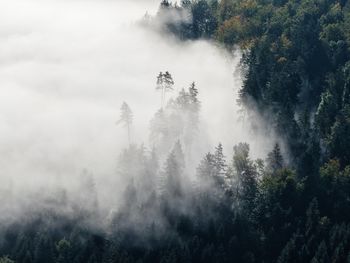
x,y
65,69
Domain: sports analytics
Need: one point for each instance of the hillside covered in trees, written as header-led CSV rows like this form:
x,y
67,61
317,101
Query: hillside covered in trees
x,y
293,205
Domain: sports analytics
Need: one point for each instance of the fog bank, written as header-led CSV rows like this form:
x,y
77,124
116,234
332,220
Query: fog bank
x,y
67,66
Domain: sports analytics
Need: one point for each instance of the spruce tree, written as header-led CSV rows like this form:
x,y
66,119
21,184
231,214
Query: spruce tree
x,y
275,160
126,118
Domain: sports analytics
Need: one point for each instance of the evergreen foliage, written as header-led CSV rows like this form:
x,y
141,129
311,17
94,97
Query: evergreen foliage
x,y
296,66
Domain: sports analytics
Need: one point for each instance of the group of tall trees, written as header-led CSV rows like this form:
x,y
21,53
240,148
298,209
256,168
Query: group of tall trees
x,y
234,209
295,66
296,70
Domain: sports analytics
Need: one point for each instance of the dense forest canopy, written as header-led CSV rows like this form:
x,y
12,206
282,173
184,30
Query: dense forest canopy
x,y
295,65
292,205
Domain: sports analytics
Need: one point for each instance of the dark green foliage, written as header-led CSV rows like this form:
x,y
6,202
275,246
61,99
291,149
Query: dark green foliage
x,y
273,222
295,64
296,71
275,159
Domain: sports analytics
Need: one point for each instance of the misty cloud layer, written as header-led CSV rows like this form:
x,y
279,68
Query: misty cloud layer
x,y
65,69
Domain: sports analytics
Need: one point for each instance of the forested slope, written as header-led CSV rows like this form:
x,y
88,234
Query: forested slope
x,y
296,69
296,73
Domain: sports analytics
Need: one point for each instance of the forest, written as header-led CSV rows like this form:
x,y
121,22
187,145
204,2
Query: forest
x,y
292,205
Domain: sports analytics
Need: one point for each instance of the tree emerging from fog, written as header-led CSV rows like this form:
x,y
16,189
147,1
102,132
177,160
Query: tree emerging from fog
x,y
169,203
126,118
165,84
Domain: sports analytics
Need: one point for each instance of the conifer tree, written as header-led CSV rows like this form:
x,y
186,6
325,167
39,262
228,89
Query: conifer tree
x,y
219,160
211,172
194,106
126,118
193,92
173,171
165,84
275,159
206,168
246,176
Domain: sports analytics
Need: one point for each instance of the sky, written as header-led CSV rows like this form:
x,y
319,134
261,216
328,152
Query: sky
x,y
66,66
